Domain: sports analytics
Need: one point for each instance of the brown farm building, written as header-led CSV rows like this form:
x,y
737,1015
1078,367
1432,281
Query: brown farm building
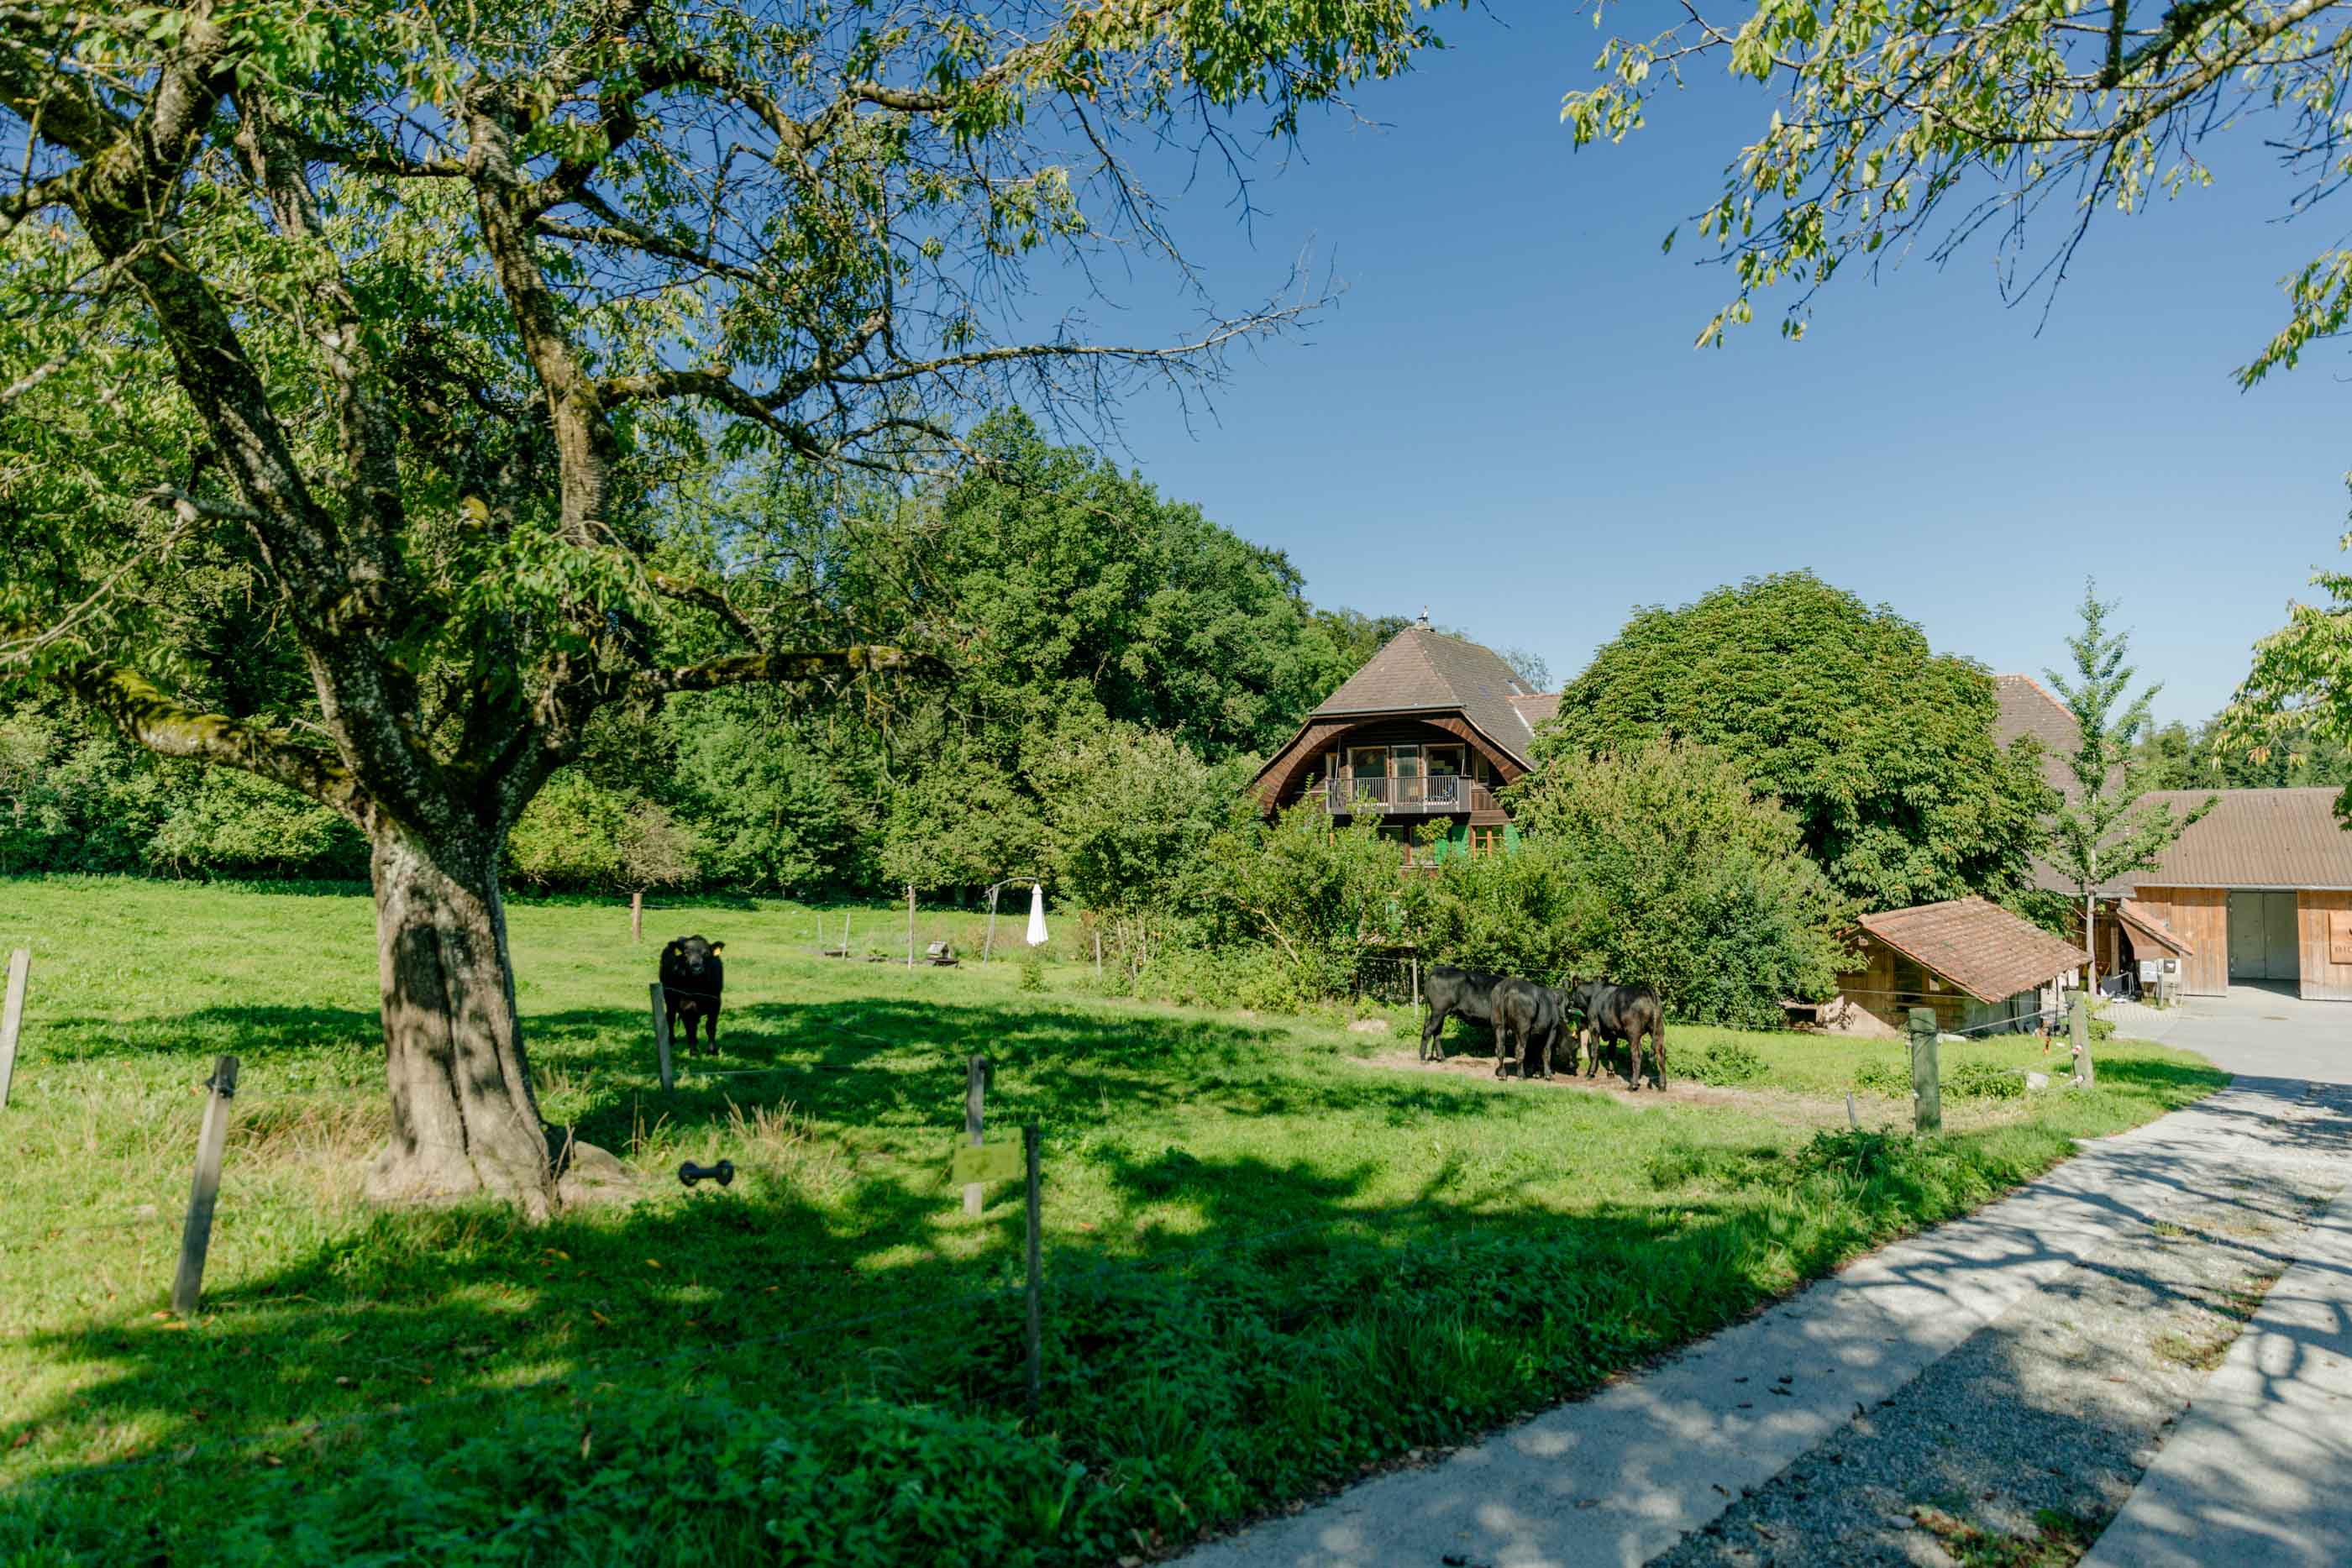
x,y
1978,967
2257,890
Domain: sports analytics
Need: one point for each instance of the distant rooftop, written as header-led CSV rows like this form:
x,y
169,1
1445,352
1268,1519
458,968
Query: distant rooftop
x,y
1421,670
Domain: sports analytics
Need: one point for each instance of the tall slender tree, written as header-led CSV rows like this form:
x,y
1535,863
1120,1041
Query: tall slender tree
x,y
2298,695
388,331
2103,828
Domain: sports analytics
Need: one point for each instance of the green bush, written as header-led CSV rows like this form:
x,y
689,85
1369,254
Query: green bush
x,y
1861,1154
1309,894
1677,873
1726,1062
1230,976
1882,1075
1033,970
1983,1081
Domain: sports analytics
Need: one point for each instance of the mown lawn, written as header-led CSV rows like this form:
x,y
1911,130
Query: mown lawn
x,y
1271,1263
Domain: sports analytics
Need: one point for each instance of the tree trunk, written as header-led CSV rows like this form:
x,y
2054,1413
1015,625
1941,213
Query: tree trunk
x,y
465,1123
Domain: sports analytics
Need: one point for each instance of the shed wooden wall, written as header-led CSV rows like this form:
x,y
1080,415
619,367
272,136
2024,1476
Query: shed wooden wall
x,y
2201,917
2322,980
1889,986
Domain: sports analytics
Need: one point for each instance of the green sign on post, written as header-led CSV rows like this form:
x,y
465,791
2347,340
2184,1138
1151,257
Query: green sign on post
x,y
969,1164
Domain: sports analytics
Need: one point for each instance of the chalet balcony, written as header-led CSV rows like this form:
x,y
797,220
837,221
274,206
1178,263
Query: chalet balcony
x,y
1436,795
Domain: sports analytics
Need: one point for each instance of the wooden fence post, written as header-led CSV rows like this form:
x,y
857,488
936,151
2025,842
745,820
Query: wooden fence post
x,y
661,1031
637,914
12,1016
1029,1142
196,1235
1926,1089
911,926
2078,1022
975,1088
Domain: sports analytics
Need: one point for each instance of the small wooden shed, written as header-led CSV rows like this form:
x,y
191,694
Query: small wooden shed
x,y
1973,962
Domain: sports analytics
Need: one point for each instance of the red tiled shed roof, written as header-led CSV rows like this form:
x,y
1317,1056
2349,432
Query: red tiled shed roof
x,y
1981,947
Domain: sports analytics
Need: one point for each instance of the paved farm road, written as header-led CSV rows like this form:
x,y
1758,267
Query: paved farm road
x,y
2024,1358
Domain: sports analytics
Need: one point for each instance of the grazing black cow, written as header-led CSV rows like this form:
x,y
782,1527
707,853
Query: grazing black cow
x,y
1533,1016
1455,993
692,976
1620,1012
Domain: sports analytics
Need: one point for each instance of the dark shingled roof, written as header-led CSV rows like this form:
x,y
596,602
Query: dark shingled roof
x,y
2253,838
1978,947
1538,707
1425,671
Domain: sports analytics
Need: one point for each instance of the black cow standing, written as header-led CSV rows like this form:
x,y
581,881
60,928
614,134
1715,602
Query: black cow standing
x,y
1628,1013
1532,1016
692,976
1455,993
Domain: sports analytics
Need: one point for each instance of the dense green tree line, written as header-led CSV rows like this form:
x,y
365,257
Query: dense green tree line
x,y
1092,617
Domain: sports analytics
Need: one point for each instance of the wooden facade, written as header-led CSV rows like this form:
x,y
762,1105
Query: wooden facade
x,y
1891,983
2324,940
1423,738
2201,915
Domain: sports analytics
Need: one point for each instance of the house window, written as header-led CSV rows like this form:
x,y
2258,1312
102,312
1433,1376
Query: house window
x,y
1444,786
1485,840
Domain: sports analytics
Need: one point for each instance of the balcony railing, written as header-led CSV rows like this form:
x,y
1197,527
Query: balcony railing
x,y
1394,797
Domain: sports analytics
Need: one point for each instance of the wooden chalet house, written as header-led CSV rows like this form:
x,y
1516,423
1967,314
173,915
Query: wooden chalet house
x,y
1425,733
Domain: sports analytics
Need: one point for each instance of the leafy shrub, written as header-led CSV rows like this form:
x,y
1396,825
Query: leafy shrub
x,y
1033,970
1882,1075
1678,873
2102,1029
1856,1153
1726,1062
1229,977
1983,1081
576,833
1310,893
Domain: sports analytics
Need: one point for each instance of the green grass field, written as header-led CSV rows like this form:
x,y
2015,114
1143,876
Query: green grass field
x,y
1276,1257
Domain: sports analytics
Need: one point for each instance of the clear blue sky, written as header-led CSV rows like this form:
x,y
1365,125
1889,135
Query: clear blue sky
x,y
1503,417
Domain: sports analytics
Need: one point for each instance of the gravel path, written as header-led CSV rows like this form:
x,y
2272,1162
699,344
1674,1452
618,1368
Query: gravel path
x,y
2037,1429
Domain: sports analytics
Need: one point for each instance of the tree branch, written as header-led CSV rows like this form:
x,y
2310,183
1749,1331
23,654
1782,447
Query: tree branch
x,y
144,714
792,669
709,598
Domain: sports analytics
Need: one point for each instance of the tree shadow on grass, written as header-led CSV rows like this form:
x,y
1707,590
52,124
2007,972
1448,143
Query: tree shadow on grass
x,y
258,1033
1268,1327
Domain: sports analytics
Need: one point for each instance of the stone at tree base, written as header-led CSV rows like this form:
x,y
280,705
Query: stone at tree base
x,y
585,1175
593,1175
2034,1080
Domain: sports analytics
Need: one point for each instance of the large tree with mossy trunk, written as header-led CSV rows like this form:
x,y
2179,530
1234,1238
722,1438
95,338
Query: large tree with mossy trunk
x,y
365,345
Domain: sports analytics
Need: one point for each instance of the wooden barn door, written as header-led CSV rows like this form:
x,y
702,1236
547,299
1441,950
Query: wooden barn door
x,y
2263,937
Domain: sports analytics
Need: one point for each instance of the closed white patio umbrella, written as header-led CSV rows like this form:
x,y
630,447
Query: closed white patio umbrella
x,y
1036,914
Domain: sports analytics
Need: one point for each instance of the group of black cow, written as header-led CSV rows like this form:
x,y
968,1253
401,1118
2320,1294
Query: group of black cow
x,y
1531,1022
